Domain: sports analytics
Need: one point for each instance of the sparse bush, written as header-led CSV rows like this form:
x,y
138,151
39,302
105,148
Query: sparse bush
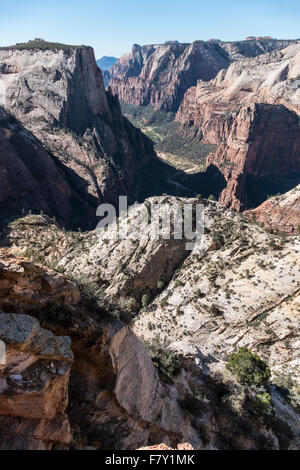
x,y
165,360
262,406
145,301
193,403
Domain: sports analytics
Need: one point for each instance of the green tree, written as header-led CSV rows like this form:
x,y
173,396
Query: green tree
x,y
249,368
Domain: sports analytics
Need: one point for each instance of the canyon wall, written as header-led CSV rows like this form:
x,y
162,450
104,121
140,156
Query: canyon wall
x,y
251,111
158,75
57,93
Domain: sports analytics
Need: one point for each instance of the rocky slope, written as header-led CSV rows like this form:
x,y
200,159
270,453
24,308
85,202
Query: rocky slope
x,y
251,112
281,212
57,93
32,180
159,75
241,289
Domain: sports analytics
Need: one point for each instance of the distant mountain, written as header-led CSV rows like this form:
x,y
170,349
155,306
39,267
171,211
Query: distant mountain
x,y
106,63
159,74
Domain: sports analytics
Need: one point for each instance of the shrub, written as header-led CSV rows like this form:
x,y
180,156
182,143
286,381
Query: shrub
x,y
211,198
262,406
193,403
165,360
160,285
249,368
200,294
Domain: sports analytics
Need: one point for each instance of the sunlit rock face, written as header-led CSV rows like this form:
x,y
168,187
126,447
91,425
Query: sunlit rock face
x,y
94,153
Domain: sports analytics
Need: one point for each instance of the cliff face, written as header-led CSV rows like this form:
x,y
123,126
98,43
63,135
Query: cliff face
x,y
58,94
262,147
279,212
62,86
31,179
255,140
159,75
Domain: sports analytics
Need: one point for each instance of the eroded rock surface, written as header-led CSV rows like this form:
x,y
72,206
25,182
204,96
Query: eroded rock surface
x,y
251,112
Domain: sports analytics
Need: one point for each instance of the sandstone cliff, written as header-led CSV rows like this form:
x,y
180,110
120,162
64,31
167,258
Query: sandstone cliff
x,y
269,78
281,212
158,75
32,180
259,157
57,92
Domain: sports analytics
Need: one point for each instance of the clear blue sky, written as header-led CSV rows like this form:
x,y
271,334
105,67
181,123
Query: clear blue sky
x,y
112,26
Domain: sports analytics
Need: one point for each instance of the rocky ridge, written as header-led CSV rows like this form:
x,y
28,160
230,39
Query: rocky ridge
x,y
279,213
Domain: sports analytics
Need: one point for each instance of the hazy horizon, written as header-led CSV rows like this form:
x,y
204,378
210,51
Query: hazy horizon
x,y
112,29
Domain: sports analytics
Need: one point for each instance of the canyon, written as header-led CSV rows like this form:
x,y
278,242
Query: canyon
x,y
244,118
128,344
160,74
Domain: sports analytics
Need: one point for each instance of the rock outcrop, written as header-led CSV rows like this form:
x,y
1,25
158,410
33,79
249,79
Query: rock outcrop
x,y
57,92
269,78
259,157
279,213
159,74
134,266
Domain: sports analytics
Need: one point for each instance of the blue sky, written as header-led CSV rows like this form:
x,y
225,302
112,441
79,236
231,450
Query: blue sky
x,y
112,26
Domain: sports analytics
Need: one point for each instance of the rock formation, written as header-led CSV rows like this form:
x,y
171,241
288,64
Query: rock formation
x,y
159,74
115,396
57,93
34,386
32,180
269,78
250,111
259,157
241,289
